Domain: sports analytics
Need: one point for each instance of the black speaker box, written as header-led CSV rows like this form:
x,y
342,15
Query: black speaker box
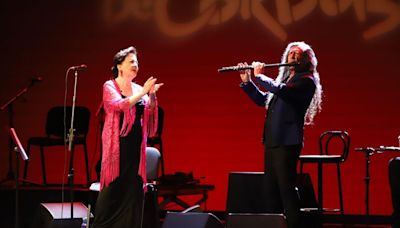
x,y
191,220
394,182
247,194
306,191
58,215
248,220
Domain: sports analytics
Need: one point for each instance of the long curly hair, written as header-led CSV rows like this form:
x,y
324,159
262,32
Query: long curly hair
x,y
316,102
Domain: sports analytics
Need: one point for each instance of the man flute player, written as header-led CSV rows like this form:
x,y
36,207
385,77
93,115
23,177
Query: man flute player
x,y
292,100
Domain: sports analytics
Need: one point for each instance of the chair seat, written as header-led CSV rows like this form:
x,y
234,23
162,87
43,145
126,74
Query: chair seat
x,y
53,141
95,187
320,158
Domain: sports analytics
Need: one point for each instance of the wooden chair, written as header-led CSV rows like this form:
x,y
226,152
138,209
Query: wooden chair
x,y
333,149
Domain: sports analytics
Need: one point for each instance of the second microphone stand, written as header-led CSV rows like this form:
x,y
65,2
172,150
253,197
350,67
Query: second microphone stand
x,y
71,145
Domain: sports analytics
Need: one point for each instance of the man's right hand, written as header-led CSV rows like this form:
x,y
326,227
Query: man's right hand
x,y
244,74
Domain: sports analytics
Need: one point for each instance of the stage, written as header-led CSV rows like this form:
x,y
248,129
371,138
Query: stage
x,y
31,197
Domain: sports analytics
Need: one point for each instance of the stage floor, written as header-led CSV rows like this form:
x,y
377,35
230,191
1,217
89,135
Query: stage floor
x,y
31,197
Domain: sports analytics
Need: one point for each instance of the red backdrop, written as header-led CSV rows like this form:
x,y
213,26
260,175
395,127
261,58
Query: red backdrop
x,y
211,127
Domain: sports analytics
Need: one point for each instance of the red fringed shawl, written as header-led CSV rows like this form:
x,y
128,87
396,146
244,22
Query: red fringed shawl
x,y
114,104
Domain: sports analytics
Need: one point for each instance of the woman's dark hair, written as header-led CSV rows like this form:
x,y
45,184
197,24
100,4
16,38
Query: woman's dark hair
x,y
120,57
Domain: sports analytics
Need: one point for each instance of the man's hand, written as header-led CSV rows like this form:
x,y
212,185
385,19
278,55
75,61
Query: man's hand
x,y
245,75
258,68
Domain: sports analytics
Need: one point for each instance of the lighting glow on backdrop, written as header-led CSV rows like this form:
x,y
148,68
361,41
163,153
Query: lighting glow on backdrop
x,y
211,127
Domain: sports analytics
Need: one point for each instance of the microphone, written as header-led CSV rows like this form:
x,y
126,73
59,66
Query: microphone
x,y
37,79
80,67
237,68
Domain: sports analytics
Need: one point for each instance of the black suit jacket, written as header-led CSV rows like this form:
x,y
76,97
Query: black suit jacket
x,y
287,111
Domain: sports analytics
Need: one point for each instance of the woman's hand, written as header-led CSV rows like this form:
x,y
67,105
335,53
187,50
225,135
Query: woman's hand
x,y
244,74
155,88
149,84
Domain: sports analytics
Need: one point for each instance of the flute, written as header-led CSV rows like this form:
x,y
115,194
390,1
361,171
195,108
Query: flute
x,y
240,68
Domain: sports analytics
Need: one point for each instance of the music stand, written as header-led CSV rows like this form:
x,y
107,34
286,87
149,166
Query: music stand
x,y
9,106
19,150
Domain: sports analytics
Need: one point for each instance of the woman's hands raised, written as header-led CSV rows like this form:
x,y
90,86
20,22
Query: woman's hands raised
x,y
150,86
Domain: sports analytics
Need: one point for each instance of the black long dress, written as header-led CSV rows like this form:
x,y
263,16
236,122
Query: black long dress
x,y
120,203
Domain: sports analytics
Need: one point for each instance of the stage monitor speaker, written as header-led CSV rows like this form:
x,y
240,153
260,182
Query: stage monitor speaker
x,y
248,220
394,183
247,193
191,220
49,215
306,191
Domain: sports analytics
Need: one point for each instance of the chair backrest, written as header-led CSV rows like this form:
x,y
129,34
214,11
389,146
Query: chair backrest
x,y
55,120
335,143
153,157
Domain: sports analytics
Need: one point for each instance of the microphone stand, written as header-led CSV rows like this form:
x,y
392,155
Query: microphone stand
x,y
71,146
368,152
9,105
18,149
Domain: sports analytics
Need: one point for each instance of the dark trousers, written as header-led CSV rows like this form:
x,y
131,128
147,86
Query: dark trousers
x,y
281,165
394,181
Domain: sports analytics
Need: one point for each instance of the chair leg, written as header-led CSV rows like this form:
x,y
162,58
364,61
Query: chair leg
x,y
43,165
162,158
320,186
27,162
340,189
87,164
